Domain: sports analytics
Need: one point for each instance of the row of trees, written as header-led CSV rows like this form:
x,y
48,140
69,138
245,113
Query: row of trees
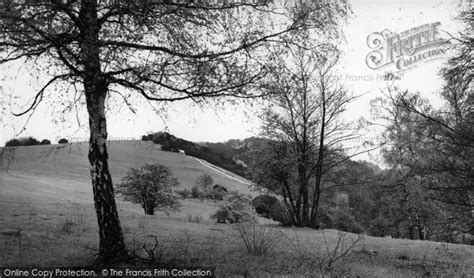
x,y
429,185
31,141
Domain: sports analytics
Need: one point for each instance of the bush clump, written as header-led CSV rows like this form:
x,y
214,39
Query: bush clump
x,y
264,204
338,219
217,192
346,222
45,142
235,208
270,207
148,137
204,189
185,193
24,141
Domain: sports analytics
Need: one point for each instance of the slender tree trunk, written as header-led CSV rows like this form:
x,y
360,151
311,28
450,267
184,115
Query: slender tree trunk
x,y
149,210
319,164
315,206
290,203
95,87
303,192
411,232
421,233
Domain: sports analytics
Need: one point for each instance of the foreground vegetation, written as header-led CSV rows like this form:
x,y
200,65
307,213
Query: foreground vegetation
x,y
48,237
48,220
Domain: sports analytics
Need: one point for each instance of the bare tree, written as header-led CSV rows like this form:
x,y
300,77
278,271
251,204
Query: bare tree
x,y
163,51
305,130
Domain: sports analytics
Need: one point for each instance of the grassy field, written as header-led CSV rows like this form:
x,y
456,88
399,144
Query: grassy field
x,y
47,219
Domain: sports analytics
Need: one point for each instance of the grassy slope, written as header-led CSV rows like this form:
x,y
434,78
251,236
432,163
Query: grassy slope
x,y
42,188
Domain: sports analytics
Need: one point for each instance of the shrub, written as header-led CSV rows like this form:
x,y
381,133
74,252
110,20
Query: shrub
x,y
167,146
325,219
148,137
63,141
236,208
30,141
217,193
258,240
380,226
151,186
45,142
280,213
13,143
263,204
185,193
346,222
196,192
333,251
205,181
270,207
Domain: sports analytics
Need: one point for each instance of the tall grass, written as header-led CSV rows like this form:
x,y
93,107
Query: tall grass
x,y
258,240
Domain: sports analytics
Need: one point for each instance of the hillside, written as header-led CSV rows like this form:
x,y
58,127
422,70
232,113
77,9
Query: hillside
x,y
69,163
55,176
210,152
234,155
47,219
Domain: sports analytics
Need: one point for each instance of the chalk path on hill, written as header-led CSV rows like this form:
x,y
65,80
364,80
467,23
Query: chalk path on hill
x,y
227,175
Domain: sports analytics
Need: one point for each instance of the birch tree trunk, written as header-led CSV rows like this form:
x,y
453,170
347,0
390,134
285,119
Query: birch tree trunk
x,y
95,87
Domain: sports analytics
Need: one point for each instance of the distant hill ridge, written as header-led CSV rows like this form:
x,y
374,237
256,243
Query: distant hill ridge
x,y
234,155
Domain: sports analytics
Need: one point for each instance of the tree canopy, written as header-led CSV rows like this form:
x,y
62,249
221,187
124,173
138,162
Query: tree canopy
x,y
151,186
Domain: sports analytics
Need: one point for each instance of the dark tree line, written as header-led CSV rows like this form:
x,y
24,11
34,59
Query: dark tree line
x,y
26,141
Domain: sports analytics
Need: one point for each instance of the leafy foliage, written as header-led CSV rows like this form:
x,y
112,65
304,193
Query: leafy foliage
x,y
209,153
204,188
236,208
45,142
205,181
270,207
147,137
25,141
151,186
431,151
264,204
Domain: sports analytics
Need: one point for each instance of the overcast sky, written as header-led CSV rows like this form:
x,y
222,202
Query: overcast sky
x,y
208,124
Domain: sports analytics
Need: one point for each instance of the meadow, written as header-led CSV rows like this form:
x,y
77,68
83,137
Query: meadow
x,y
47,219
